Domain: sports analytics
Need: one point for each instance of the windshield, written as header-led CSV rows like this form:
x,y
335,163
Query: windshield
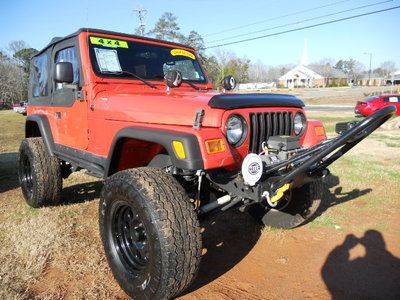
x,y
145,60
370,98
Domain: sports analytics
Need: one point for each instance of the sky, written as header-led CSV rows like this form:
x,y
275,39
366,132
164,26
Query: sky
x,y
36,22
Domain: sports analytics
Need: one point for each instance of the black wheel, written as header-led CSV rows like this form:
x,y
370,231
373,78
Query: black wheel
x,y
39,173
150,232
295,209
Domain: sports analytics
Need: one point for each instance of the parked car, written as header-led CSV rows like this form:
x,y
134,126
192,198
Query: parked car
x,y
20,107
371,104
5,105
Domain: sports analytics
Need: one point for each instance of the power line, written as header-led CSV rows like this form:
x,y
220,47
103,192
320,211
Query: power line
x,y
299,22
305,27
141,14
276,18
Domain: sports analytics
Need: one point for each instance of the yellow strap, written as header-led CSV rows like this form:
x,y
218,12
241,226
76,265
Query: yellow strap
x,y
280,192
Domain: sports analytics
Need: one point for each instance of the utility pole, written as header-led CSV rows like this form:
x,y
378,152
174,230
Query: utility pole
x,y
141,13
370,66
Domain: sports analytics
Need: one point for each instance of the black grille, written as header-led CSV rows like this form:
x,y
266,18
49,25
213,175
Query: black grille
x,y
264,125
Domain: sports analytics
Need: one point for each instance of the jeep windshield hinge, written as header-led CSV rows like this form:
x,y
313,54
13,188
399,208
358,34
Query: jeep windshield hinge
x,y
199,118
79,95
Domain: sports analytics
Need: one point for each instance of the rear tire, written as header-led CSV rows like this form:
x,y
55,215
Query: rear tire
x,y
303,205
39,173
150,233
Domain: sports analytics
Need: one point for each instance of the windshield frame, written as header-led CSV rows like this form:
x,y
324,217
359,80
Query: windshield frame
x,y
96,70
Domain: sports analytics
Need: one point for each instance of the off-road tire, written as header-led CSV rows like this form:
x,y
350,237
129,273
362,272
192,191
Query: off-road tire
x,y
162,210
304,204
39,173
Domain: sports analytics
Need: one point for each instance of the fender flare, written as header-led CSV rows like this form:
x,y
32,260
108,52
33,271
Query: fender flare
x,y
193,160
45,130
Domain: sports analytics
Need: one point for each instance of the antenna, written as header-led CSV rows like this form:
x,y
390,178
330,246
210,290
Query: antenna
x,y
141,13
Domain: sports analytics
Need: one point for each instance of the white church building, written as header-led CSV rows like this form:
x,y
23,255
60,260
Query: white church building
x,y
301,76
304,75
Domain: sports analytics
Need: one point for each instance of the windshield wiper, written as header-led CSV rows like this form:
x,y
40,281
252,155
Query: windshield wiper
x,y
192,84
133,75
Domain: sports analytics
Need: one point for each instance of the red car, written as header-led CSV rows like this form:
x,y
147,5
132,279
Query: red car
x,y
371,104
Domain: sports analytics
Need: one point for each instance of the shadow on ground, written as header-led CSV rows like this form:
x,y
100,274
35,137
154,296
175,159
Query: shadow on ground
x,y
8,171
373,276
227,239
337,196
82,192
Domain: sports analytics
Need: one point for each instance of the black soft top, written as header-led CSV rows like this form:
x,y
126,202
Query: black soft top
x,y
94,30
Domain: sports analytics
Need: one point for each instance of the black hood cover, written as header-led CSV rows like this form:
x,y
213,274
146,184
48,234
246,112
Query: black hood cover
x,y
232,101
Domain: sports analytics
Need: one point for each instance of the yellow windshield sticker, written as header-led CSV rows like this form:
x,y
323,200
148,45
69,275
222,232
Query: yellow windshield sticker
x,y
182,52
108,42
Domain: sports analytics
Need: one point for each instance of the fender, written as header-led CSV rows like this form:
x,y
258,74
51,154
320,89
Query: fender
x,y
45,131
315,133
193,160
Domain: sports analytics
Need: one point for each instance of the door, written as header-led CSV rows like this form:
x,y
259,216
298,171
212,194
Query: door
x,y
70,108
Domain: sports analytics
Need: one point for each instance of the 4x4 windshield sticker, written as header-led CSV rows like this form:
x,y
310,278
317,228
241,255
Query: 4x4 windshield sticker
x,y
182,52
108,60
108,42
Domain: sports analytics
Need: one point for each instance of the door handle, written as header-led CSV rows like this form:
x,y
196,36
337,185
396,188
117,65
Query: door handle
x,y
58,115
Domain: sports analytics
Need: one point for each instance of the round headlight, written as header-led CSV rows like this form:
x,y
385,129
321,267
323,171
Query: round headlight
x,y
235,130
299,123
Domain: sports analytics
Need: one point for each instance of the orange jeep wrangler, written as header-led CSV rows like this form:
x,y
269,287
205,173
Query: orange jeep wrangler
x,y
142,114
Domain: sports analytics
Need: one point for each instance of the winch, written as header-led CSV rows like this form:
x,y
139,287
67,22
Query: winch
x,y
276,150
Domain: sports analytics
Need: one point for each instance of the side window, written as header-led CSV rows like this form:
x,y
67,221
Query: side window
x,y
39,75
393,99
68,55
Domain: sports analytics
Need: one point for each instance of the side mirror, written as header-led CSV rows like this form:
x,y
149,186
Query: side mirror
x,y
229,83
63,72
173,79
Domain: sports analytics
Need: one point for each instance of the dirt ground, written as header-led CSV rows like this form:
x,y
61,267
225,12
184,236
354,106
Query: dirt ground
x,y
350,250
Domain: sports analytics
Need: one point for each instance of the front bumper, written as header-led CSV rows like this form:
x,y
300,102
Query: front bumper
x,y
307,165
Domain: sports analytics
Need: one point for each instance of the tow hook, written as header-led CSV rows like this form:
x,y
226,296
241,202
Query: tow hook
x,y
273,201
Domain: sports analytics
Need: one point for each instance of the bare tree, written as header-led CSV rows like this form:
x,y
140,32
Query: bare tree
x,y
387,68
15,46
13,83
14,72
258,72
325,68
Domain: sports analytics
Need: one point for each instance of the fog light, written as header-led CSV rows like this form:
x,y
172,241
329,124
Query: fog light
x,y
215,146
179,149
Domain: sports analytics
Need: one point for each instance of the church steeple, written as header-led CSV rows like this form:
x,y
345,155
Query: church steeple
x,y
304,59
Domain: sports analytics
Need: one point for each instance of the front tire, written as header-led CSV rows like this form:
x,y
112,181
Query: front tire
x,y
39,173
302,206
150,233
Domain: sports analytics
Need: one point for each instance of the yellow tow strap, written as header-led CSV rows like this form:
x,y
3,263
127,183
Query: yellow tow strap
x,y
280,192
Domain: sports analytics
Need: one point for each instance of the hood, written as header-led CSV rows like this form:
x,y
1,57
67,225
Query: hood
x,y
177,107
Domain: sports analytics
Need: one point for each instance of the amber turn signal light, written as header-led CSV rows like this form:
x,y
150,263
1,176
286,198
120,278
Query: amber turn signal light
x,y
215,146
319,130
179,149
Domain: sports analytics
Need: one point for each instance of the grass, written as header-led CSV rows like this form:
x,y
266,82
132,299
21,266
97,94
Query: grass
x,y
324,221
368,180
12,130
